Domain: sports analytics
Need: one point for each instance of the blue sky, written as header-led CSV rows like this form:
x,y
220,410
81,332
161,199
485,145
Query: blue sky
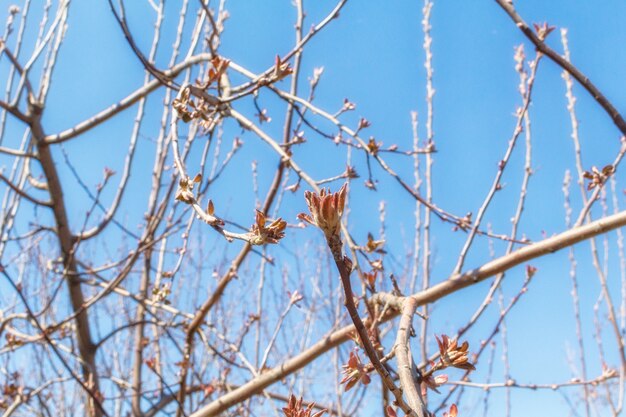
x,y
373,55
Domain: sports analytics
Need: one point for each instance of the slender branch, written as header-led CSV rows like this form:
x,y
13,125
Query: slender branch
x,y
161,76
123,104
334,13
428,175
522,114
17,66
14,111
23,193
15,152
514,384
541,46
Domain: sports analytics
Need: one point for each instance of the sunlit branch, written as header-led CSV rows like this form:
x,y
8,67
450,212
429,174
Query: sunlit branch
x,y
436,292
125,103
541,46
22,193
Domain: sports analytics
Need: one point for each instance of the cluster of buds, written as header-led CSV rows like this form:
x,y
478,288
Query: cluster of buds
x,y
354,371
11,390
373,245
370,279
294,409
263,116
543,30
202,109
363,124
350,172
219,66
185,194
161,293
185,189
463,223
280,70
451,354
597,177
326,209
433,382
205,106
262,234
347,106
151,363
13,341
372,146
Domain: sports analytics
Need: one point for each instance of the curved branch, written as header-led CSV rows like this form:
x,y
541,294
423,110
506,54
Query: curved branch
x,y
123,104
617,118
23,193
15,152
14,111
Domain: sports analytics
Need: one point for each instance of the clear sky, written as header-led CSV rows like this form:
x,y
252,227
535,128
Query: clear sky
x,y
373,56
